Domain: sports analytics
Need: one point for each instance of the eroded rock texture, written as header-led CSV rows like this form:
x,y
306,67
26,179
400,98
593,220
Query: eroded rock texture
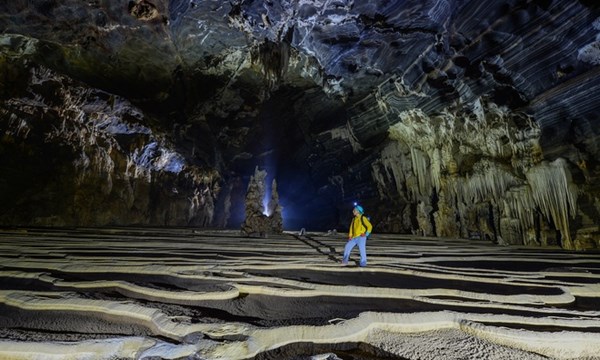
x,y
445,118
156,293
74,156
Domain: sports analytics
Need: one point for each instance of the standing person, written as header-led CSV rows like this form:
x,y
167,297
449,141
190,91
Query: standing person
x,y
360,229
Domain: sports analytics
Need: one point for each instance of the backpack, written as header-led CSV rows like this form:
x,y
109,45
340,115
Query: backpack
x,y
363,223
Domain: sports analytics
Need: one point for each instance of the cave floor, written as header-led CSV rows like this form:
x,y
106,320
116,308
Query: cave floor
x,y
184,293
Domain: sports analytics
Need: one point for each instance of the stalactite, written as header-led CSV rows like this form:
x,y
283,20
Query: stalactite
x,y
18,127
420,163
487,183
436,168
518,207
473,155
392,163
274,57
555,195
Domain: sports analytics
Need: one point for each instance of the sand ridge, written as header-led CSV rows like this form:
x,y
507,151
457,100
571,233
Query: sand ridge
x,y
177,293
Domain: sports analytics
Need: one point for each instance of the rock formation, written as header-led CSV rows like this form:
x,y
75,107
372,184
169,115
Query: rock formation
x,y
261,220
78,156
210,294
445,118
274,210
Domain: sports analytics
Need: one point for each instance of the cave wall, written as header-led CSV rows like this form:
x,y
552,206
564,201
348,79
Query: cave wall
x,y
491,133
458,118
75,156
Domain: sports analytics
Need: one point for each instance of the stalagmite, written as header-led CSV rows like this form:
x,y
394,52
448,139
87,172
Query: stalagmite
x,y
275,210
261,219
555,194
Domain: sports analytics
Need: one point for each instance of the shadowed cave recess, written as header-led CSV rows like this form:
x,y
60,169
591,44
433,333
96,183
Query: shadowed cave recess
x,y
472,119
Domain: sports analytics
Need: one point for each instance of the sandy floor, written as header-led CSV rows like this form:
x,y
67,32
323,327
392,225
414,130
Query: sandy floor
x,y
125,293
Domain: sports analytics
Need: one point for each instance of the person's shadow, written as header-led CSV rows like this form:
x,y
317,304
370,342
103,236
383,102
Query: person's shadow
x,y
319,246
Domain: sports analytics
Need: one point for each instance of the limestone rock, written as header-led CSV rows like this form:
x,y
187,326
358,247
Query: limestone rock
x,y
261,220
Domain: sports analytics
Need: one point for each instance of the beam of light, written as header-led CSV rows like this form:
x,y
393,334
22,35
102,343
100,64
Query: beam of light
x,y
267,206
268,164
267,196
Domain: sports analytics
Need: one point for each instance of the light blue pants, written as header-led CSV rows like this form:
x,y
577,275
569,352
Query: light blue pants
x,y
361,241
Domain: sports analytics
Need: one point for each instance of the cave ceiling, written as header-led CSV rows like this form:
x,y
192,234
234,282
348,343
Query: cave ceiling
x,y
446,118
